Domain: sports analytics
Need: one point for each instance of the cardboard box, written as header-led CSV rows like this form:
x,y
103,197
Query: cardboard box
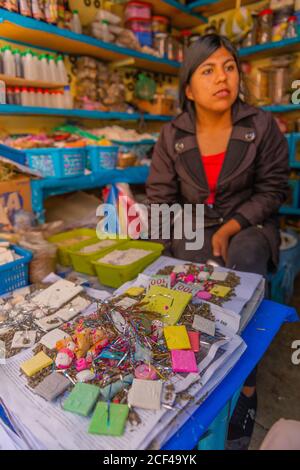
x,y
15,194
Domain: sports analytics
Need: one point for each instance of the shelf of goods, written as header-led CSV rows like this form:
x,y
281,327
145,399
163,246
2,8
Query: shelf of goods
x,y
213,7
182,16
22,82
43,188
10,109
261,51
29,31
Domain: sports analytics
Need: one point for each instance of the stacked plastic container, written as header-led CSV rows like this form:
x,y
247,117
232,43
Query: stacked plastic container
x,y
138,18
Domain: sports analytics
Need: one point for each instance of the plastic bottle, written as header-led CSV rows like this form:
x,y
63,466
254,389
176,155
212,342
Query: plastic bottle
x,y
24,96
36,11
9,62
52,69
60,99
28,65
18,63
1,62
2,92
61,70
47,99
39,97
44,68
76,23
31,97
17,95
10,95
25,7
68,99
35,66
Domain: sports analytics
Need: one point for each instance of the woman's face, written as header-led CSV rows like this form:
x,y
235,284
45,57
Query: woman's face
x,y
214,86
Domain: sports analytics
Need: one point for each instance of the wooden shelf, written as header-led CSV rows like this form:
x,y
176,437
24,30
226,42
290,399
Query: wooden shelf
x,y
9,109
182,16
16,81
213,7
262,51
41,35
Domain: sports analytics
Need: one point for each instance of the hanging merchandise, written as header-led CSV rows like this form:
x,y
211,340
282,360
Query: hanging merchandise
x,y
145,87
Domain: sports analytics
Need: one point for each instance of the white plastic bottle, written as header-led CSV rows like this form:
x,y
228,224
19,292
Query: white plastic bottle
x,y
9,61
35,68
28,65
18,63
39,97
24,96
47,102
31,97
76,23
2,92
60,99
68,99
52,69
61,70
43,68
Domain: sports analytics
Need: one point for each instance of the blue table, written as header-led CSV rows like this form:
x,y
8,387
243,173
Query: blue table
x,y
214,413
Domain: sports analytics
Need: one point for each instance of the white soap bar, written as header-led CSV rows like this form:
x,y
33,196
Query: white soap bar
x,y
50,339
145,394
219,276
204,325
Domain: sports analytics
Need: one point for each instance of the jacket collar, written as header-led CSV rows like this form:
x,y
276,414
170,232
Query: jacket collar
x,y
240,110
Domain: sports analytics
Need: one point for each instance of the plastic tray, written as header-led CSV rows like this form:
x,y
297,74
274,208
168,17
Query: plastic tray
x,y
63,252
82,262
103,157
115,276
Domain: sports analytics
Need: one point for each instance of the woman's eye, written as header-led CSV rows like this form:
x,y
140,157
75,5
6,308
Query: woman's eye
x,y
207,71
230,67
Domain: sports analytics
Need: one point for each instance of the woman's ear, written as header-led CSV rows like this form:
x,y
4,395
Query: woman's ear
x,y
188,93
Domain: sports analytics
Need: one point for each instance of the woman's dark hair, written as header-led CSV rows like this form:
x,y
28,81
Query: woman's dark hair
x,y
195,55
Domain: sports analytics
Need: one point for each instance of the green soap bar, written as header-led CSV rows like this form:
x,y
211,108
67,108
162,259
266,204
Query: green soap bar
x,y
82,399
117,418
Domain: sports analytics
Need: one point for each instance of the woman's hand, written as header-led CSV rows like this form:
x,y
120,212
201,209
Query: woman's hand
x,y
220,239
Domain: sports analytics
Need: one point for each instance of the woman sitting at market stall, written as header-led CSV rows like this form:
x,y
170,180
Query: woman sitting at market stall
x,y
231,157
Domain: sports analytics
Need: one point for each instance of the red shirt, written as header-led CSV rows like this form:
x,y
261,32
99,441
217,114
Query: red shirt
x,y
212,166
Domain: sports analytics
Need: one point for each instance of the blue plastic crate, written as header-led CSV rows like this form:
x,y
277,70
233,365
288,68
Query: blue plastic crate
x,y
139,149
102,157
15,274
13,154
57,162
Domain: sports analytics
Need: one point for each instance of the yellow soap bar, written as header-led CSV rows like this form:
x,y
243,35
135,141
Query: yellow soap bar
x,y
36,364
135,291
177,337
168,302
220,291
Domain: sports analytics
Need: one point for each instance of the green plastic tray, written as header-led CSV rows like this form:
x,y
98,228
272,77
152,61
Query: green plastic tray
x,y
115,276
81,262
62,252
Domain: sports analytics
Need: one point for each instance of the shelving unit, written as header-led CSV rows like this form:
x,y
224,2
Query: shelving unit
x,y
182,16
22,82
28,31
261,51
213,7
9,109
43,188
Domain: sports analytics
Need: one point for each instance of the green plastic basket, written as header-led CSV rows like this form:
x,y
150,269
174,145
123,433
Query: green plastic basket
x,y
114,276
63,252
81,262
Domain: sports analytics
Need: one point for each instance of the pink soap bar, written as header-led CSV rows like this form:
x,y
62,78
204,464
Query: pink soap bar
x,y
183,361
204,295
194,337
145,372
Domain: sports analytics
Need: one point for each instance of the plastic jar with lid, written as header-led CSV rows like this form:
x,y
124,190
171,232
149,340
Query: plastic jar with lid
x,y
291,31
265,26
160,24
280,22
138,25
138,10
160,44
